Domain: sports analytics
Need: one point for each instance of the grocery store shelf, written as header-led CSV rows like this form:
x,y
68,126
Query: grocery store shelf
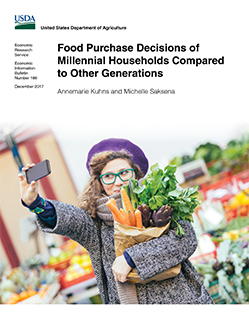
x,y
48,297
79,286
84,295
80,291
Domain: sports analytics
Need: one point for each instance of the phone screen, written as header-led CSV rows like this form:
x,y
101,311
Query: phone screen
x,y
38,171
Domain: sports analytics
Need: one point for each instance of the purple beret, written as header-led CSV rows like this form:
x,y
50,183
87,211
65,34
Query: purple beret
x,y
112,144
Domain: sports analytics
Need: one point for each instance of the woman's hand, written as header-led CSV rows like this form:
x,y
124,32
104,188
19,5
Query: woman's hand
x,y
28,191
120,269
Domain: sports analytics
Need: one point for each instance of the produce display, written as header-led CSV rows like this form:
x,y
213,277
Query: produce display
x,y
156,202
225,271
61,261
230,270
73,263
237,205
25,282
36,281
233,157
79,269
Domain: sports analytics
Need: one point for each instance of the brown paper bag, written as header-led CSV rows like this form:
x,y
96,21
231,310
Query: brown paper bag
x,y
127,236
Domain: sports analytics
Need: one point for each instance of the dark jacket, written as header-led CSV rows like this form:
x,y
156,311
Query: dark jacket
x,y
151,257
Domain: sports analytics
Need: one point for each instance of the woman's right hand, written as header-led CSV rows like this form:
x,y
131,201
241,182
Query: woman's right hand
x,y
28,192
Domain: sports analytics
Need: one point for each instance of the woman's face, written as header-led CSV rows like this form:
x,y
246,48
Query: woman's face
x,y
115,166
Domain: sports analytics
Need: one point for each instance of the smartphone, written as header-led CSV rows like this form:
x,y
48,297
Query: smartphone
x,y
38,171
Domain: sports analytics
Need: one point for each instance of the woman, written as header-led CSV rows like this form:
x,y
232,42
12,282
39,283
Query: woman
x,y
111,163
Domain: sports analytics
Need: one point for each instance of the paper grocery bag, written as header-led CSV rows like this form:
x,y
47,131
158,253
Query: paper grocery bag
x,y
127,236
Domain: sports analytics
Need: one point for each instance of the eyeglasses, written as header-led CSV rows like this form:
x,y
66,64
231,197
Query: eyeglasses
x,y
124,175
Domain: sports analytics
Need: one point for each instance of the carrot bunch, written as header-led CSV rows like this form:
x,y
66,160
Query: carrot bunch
x,y
125,216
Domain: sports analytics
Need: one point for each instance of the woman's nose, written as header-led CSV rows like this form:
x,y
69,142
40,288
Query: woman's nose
x,y
118,181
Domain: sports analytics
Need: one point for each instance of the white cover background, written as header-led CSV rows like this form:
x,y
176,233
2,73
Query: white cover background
x,y
210,104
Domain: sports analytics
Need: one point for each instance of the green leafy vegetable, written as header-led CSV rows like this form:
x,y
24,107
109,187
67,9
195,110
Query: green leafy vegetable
x,y
208,152
160,188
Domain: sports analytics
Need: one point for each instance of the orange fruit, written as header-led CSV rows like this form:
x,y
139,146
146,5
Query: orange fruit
x,y
31,293
244,211
15,297
23,295
233,203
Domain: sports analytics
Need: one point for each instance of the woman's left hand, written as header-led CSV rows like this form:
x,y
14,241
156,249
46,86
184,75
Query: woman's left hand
x,y
120,269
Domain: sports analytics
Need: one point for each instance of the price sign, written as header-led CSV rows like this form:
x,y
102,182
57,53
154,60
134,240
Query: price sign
x,y
192,170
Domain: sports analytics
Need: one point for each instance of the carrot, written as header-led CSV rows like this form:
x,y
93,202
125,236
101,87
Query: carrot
x,y
128,206
113,201
114,210
125,215
117,215
138,216
131,218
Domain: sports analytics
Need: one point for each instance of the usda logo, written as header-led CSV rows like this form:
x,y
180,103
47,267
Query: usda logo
x,y
24,22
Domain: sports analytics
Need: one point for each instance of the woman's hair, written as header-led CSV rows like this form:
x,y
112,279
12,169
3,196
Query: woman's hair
x,y
94,189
